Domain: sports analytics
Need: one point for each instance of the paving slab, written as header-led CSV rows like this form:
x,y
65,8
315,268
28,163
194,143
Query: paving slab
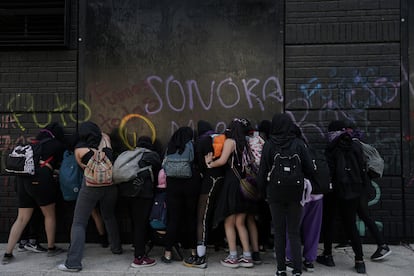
x,y
100,261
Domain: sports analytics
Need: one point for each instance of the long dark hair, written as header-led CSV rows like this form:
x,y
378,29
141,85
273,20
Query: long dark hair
x,y
237,130
178,140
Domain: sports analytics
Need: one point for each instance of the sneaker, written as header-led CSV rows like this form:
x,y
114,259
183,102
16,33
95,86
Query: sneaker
x,y
325,260
7,258
166,260
117,251
245,262
343,245
280,273
54,251
201,262
382,252
289,265
37,248
20,247
104,241
190,260
256,258
360,267
63,267
308,266
143,262
230,261
195,261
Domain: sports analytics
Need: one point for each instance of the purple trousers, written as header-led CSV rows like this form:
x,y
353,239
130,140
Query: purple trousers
x,y
310,228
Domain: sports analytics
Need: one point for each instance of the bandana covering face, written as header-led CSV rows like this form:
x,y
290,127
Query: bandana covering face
x,y
332,135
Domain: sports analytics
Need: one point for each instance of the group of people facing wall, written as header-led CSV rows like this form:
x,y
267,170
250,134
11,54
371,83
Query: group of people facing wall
x,y
211,199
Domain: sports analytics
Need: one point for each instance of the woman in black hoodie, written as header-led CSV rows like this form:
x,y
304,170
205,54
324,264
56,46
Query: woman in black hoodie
x,y
39,191
284,200
349,178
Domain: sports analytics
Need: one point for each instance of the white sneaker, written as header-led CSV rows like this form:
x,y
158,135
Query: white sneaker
x,y
63,267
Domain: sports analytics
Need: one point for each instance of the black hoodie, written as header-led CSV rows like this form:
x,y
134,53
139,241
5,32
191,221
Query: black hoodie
x,y
282,138
347,166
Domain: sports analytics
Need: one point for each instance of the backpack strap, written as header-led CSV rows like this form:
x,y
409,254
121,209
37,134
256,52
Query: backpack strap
x,y
149,167
46,163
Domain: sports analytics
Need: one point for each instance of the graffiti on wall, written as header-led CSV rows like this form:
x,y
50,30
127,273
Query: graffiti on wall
x,y
158,95
61,112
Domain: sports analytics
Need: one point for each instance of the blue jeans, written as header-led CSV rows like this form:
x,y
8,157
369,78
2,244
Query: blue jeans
x,y
87,199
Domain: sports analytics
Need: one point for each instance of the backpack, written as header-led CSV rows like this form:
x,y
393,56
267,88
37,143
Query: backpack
x,y
98,170
286,178
348,179
70,176
180,165
126,166
375,163
158,216
321,178
134,187
218,143
253,153
26,159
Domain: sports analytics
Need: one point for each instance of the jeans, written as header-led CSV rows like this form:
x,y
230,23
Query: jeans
x,y
87,199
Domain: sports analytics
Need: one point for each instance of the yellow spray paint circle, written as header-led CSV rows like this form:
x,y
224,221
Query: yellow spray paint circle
x,y
123,131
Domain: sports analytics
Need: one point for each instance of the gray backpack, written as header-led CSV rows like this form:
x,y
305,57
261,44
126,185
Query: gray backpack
x,y
126,166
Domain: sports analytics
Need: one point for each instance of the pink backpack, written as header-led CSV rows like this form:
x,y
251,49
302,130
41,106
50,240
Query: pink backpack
x,y
162,179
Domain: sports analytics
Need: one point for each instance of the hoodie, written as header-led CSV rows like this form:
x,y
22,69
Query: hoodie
x,y
282,138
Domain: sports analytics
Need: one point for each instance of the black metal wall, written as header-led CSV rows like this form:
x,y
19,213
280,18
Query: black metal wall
x,y
147,67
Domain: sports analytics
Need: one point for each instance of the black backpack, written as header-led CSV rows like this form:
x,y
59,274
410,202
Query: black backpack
x,y
285,178
27,159
348,179
321,178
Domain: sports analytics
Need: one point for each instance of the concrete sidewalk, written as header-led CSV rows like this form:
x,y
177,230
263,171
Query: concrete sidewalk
x,y
101,262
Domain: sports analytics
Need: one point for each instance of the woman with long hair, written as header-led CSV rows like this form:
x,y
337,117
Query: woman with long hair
x,y
231,206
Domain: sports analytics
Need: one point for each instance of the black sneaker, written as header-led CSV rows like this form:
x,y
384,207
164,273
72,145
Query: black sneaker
x,y
280,273
196,261
7,258
166,260
54,251
308,266
190,260
104,241
256,258
382,252
343,245
37,248
289,265
360,267
325,260
21,247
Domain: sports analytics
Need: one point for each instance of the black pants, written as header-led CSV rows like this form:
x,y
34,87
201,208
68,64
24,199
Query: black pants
x,y
347,211
363,214
182,201
286,219
330,208
139,209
